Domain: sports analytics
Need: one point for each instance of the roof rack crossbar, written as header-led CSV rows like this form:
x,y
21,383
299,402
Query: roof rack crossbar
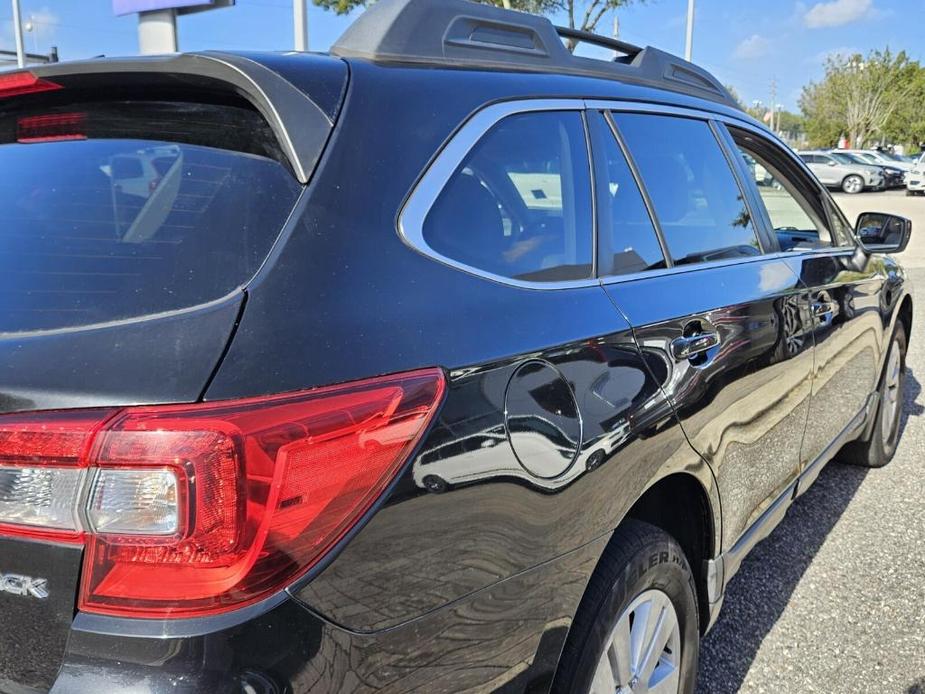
x,y
627,49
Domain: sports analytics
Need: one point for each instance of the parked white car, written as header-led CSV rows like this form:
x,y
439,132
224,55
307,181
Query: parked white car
x,y
915,181
851,178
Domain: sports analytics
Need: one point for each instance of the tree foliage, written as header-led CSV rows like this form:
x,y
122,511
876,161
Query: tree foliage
x,y
863,98
582,14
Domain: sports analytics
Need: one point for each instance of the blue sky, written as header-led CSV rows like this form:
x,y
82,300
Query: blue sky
x,y
746,43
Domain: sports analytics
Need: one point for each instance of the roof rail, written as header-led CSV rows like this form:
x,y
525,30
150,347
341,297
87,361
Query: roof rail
x,y
460,33
595,39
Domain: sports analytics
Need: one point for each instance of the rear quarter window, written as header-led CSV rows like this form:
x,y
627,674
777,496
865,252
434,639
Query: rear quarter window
x,y
122,210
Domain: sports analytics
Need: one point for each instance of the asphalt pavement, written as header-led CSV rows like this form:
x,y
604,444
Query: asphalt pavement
x,y
834,600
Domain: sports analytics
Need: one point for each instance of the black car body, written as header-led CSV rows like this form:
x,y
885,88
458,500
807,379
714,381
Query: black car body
x,y
239,226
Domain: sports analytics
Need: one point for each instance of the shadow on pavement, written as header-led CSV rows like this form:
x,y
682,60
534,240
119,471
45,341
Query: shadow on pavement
x,y
757,596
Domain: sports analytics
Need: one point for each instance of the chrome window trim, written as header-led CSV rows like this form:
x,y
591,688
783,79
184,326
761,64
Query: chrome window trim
x,y
431,184
695,267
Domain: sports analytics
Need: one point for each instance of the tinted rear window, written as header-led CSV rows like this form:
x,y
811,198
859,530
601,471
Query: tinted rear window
x,y
114,211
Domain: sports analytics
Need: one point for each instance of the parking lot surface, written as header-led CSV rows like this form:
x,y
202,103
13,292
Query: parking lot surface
x,y
834,600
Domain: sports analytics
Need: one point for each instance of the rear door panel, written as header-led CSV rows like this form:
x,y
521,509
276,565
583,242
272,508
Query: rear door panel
x,y
744,405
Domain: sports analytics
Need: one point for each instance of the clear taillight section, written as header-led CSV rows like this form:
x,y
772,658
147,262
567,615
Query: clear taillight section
x,y
41,497
135,502
189,510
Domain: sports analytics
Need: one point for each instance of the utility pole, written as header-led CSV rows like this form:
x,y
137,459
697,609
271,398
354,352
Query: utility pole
x,y
300,24
689,44
17,30
773,102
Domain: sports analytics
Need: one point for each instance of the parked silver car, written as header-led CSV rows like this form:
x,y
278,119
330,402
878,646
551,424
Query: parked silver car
x,y
875,156
851,178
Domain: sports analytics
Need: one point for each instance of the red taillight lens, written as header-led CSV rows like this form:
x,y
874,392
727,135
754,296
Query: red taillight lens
x,y
20,83
198,509
53,127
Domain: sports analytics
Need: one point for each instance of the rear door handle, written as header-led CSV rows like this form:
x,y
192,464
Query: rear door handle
x,y
687,347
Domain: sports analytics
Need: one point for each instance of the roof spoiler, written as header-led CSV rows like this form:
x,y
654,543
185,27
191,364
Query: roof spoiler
x,y
299,124
459,33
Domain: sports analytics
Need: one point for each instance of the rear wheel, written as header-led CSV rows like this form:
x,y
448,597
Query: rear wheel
x,y
637,627
852,184
879,449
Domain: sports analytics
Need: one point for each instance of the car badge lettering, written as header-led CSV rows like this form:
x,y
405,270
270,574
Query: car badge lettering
x,y
14,584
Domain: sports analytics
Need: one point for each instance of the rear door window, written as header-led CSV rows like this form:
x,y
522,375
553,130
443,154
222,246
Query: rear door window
x,y
628,242
519,206
116,211
700,207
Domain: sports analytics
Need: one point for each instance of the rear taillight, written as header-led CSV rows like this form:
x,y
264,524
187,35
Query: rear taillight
x,y
20,83
188,510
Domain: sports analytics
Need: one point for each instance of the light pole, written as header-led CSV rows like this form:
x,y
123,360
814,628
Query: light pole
x,y
157,32
17,30
300,23
689,44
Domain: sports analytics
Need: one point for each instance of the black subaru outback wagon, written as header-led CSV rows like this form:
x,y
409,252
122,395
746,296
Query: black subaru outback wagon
x,y
448,362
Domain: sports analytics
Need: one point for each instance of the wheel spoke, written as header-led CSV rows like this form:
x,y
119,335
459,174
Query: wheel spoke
x,y
664,628
620,652
644,623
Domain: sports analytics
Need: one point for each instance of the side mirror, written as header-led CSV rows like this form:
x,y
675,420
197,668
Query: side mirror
x,y
830,163
879,232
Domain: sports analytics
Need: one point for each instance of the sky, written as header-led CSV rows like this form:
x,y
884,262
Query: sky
x,y
745,43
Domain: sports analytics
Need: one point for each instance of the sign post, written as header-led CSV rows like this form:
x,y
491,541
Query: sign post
x,y
157,20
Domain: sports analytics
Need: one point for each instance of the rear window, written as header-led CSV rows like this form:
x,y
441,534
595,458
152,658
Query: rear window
x,y
121,210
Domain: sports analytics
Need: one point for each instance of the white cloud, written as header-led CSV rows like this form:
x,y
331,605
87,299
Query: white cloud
x,y
837,12
755,46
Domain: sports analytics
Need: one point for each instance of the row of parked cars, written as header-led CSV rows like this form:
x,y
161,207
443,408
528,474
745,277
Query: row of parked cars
x,y
857,170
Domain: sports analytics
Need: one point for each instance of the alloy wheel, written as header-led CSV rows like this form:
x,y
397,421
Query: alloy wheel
x,y
643,653
853,184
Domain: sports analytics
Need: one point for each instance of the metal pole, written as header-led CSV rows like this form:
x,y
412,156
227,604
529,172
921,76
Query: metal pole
x,y
17,29
689,45
300,23
157,32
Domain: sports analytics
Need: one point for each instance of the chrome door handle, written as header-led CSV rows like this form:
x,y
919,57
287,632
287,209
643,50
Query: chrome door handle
x,y
687,347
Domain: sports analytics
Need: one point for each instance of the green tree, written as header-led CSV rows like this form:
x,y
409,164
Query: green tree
x,y
907,124
585,15
858,97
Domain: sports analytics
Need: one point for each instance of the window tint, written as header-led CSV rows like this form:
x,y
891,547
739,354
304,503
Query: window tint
x,y
628,242
801,216
699,205
151,207
519,206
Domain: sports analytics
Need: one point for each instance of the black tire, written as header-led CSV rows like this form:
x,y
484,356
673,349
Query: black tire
x,y
852,184
879,449
639,557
